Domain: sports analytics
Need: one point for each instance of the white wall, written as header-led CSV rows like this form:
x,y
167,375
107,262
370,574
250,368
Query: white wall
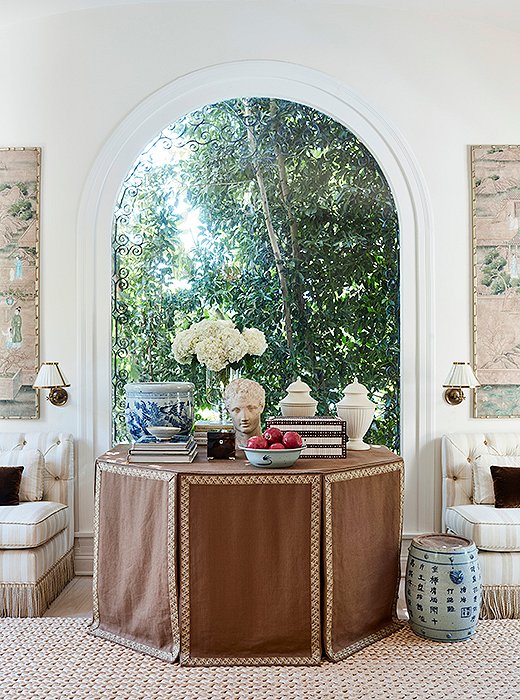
x,y
442,81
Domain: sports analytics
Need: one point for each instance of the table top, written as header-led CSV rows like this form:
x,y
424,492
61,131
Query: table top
x,y
355,459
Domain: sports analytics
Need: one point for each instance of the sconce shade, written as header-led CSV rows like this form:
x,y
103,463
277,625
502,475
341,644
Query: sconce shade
x,y
461,375
49,376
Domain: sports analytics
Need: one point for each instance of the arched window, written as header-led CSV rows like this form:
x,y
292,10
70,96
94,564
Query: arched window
x,y
272,214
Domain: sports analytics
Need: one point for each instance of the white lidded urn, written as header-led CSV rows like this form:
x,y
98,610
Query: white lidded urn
x,y
358,411
298,401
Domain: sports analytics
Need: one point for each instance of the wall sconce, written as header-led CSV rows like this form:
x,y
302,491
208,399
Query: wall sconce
x,y
51,377
461,377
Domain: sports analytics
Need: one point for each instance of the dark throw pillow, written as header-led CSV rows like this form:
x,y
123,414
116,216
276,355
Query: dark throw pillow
x,y
506,484
10,480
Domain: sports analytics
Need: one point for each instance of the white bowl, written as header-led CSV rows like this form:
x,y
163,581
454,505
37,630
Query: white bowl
x,y
273,459
163,432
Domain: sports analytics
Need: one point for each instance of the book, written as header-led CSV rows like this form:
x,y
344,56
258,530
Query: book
x,y
315,423
151,442
162,447
325,437
155,453
158,458
205,425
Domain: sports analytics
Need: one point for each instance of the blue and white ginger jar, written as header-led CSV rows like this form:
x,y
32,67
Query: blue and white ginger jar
x,y
156,403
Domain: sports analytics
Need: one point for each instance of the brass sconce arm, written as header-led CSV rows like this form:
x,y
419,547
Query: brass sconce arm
x,y
461,376
454,395
51,377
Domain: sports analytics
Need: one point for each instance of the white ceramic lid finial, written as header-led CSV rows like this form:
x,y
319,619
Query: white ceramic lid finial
x,y
356,395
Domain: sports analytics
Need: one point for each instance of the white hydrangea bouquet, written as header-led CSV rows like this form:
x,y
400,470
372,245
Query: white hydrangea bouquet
x,y
217,344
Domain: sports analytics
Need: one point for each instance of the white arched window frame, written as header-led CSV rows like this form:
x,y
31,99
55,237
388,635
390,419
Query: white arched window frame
x,y
317,90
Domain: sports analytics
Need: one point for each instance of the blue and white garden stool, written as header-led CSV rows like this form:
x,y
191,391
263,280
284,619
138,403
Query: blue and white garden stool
x,y
443,587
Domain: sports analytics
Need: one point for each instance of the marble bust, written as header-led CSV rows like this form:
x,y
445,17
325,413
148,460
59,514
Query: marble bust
x,y
245,401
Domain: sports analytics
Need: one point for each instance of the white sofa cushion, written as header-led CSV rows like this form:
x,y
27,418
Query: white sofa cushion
x,y
499,568
33,463
30,565
31,524
483,491
491,528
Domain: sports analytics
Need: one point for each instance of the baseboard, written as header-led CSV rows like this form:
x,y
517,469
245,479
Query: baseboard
x,y
405,545
83,554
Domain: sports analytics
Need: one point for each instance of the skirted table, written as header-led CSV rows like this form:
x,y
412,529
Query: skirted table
x,y
222,563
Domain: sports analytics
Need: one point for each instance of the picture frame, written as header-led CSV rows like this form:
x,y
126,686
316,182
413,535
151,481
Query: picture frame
x,y
19,281
495,182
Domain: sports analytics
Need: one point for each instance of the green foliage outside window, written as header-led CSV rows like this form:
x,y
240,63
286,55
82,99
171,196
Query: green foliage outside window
x,y
294,232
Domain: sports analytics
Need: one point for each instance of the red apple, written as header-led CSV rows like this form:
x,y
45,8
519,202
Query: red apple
x,y
257,442
276,446
292,440
273,435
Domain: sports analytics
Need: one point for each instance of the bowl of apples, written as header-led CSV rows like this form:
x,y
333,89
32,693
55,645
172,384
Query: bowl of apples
x,y
274,449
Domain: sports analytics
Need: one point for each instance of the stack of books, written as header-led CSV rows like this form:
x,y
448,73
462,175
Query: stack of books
x,y
325,436
181,448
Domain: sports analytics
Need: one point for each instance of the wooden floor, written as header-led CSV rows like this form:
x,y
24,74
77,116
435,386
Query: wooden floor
x,y
76,600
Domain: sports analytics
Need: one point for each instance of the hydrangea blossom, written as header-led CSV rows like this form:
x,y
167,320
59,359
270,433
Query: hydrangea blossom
x,y
217,344
255,340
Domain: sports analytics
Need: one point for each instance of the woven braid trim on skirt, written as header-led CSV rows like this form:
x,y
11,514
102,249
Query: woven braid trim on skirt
x,y
500,602
33,599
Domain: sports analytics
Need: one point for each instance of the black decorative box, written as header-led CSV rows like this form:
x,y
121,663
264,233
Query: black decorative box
x,y
221,444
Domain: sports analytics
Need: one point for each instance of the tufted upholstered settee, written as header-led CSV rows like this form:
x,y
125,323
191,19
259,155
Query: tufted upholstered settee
x,y
495,531
37,537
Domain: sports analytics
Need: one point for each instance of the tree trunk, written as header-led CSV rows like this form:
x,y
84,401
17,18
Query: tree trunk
x,y
286,195
293,230
273,238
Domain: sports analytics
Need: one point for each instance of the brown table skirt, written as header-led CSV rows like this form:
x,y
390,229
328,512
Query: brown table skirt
x,y
247,566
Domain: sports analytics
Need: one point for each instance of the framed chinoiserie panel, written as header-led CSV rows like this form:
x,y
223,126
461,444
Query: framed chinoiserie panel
x,y
19,273
496,272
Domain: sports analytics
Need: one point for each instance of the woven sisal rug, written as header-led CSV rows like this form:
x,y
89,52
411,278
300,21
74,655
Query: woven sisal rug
x,y
54,658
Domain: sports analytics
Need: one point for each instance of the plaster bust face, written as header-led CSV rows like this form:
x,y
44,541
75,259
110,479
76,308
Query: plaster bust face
x,y
245,401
